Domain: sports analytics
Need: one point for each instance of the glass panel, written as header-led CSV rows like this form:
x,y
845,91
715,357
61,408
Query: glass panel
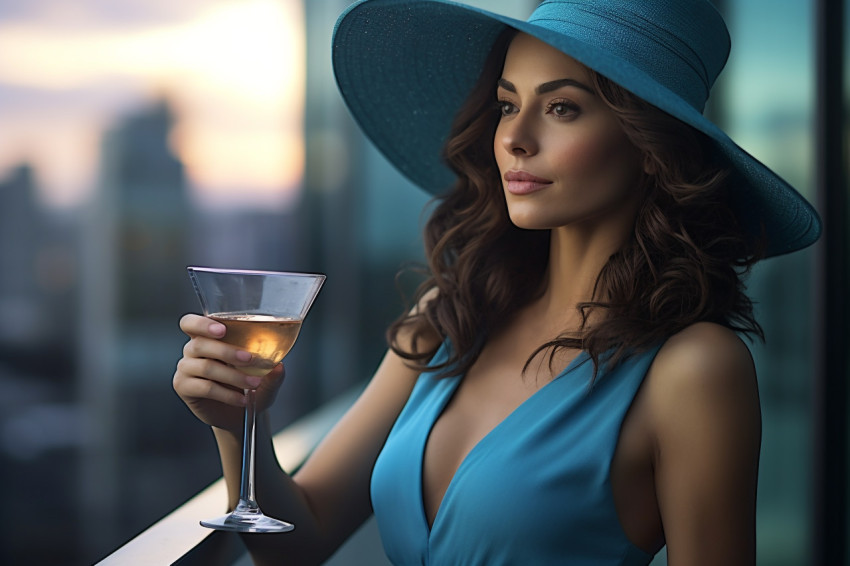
x,y
767,98
847,244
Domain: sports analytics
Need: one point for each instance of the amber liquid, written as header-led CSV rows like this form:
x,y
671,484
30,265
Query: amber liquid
x,y
269,338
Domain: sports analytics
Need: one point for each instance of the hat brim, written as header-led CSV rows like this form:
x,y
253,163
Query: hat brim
x,y
405,68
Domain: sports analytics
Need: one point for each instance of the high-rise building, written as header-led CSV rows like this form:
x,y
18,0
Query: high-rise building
x,y
133,288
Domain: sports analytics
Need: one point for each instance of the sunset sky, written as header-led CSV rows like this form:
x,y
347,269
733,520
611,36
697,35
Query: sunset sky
x,y
233,70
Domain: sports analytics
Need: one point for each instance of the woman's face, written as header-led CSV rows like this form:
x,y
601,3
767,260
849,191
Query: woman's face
x,y
562,154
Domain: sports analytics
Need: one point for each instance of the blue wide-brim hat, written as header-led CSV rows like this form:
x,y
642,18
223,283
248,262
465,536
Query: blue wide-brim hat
x,y
405,67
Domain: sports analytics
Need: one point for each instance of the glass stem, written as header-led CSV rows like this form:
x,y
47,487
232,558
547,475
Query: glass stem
x,y
246,488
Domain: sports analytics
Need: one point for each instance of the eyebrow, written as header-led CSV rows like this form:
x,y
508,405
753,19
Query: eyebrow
x,y
547,87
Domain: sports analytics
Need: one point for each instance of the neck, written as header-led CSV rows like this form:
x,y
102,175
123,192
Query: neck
x,y
576,258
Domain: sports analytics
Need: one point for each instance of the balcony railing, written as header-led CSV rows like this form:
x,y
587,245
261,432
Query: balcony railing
x,y
178,538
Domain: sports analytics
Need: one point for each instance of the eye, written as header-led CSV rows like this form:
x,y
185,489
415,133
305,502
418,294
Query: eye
x,y
506,108
562,109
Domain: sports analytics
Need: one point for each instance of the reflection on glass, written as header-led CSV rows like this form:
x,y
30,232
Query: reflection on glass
x,y
768,94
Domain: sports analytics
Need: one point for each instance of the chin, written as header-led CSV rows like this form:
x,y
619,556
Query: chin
x,y
531,223
543,213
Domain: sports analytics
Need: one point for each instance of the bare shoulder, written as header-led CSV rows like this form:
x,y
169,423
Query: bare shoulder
x,y
703,376
429,296
704,357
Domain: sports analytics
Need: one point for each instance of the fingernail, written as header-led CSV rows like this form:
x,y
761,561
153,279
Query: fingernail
x,y
243,356
217,328
253,381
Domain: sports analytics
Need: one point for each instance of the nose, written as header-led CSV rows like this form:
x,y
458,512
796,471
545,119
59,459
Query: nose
x,y
517,136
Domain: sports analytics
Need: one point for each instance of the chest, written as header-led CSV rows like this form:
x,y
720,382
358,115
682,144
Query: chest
x,y
491,391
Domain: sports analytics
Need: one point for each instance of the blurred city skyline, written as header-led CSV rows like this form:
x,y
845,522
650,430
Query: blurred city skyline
x,y
233,71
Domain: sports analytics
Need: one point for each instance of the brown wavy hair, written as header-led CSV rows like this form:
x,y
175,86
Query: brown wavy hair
x,y
684,262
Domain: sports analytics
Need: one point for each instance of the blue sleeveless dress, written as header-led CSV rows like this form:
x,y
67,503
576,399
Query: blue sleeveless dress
x,y
535,490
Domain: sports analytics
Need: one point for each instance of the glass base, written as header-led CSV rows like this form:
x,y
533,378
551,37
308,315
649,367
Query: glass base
x,y
248,521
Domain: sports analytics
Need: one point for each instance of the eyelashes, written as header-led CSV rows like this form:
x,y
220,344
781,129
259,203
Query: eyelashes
x,y
560,108
563,108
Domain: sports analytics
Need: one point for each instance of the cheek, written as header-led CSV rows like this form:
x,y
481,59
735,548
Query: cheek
x,y
498,150
600,161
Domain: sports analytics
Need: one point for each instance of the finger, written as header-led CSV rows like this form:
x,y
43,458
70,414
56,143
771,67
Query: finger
x,y
213,370
201,347
193,388
274,378
278,371
197,325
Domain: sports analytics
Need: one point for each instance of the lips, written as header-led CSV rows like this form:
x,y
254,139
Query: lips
x,y
523,183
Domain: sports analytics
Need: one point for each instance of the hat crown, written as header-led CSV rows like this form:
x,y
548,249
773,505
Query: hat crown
x,y
681,44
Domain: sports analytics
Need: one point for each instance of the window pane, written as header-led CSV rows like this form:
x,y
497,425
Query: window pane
x,y
767,98
847,189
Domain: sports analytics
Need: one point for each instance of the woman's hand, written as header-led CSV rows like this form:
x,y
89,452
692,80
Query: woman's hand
x,y
208,379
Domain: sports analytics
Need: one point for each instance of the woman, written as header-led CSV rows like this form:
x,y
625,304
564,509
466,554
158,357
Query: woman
x,y
569,387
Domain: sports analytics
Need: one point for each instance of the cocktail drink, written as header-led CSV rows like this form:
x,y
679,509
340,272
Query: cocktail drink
x,y
269,338
263,312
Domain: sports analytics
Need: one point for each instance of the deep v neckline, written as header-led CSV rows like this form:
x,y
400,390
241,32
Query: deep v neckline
x,y
448,395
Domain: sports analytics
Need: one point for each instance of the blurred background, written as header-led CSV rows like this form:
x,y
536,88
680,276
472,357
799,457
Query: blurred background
x,y
141,136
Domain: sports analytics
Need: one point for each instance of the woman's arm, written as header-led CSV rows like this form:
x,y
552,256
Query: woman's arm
x,y
706,421
329,497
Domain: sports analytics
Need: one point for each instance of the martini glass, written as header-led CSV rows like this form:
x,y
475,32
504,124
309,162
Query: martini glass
x,y
263,312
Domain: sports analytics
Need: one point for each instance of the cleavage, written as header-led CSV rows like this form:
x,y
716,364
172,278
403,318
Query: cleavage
x,y
483,399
